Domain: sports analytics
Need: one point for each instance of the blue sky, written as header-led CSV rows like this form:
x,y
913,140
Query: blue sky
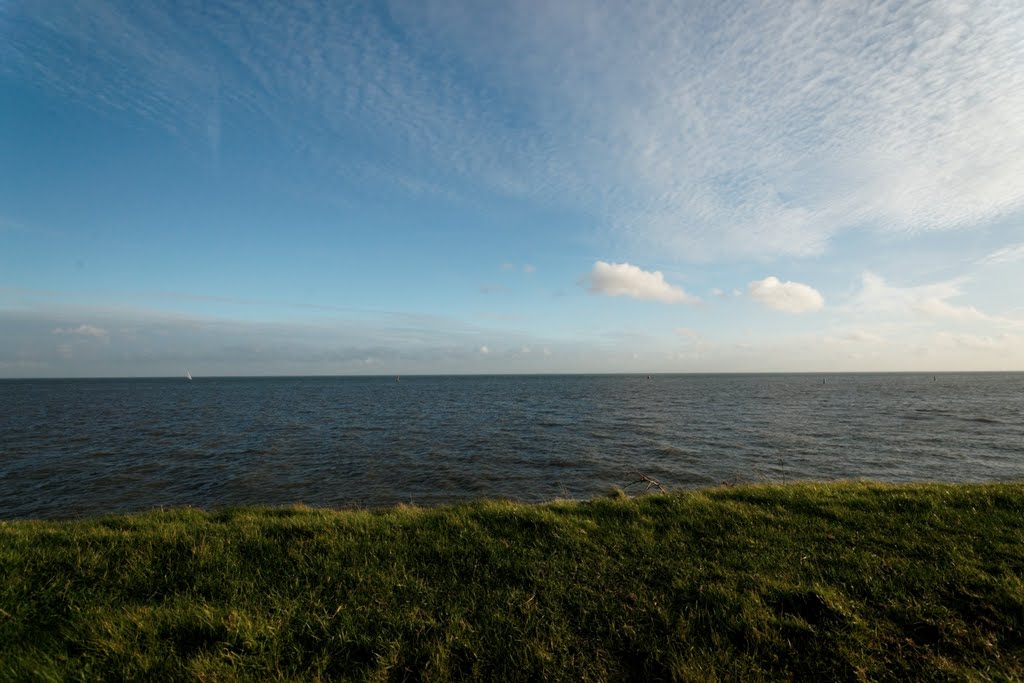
x,y
449,187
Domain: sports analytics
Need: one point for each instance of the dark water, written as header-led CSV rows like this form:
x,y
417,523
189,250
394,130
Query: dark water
x,y
78,447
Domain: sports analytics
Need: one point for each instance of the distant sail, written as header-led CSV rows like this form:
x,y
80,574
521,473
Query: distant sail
x,y
188,375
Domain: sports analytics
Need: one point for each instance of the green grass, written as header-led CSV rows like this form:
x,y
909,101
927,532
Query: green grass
x,y
808,581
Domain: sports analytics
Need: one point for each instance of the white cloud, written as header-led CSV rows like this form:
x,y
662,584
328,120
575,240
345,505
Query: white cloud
x,y
146,342
84,330
527,268
1008,254
928,301
942,309
975,342
493,289
694,344
863,337
788,297
623,279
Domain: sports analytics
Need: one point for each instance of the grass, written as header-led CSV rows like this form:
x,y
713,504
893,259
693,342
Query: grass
x,y
847,581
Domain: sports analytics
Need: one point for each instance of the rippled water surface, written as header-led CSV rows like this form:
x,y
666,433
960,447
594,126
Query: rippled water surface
x,y
78,447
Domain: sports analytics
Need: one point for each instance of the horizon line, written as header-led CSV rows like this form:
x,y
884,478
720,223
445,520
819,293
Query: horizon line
x,y
524,374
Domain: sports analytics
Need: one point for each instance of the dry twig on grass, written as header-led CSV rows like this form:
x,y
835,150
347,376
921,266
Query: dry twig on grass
x,y
651,482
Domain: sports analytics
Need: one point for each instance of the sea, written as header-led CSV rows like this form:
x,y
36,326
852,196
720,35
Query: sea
x,y
85,447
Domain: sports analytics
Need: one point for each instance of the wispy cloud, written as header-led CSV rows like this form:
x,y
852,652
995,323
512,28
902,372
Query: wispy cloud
x,y
698,131
623,279
863,337
929,301
766,128
1008,254
84,330
876,296
788,297
141,342
975,342
12,226
527,268
694,344
313,78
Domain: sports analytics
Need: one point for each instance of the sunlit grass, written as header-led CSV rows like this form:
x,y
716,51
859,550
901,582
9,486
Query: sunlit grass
x,y
814,581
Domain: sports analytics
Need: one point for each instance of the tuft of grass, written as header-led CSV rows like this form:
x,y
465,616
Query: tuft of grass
x,y
847,581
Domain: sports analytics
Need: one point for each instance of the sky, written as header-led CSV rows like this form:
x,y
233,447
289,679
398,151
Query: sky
x,y
441,187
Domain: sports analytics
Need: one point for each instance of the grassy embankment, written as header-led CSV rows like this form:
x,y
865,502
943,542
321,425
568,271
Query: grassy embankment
x,y
831,582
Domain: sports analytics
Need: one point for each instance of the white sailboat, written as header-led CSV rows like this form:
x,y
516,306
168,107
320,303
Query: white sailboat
x,y
188,375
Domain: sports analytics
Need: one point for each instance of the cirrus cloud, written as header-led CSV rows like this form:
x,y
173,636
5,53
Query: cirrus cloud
x,y
693,130
624,279
1008,254
788,297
